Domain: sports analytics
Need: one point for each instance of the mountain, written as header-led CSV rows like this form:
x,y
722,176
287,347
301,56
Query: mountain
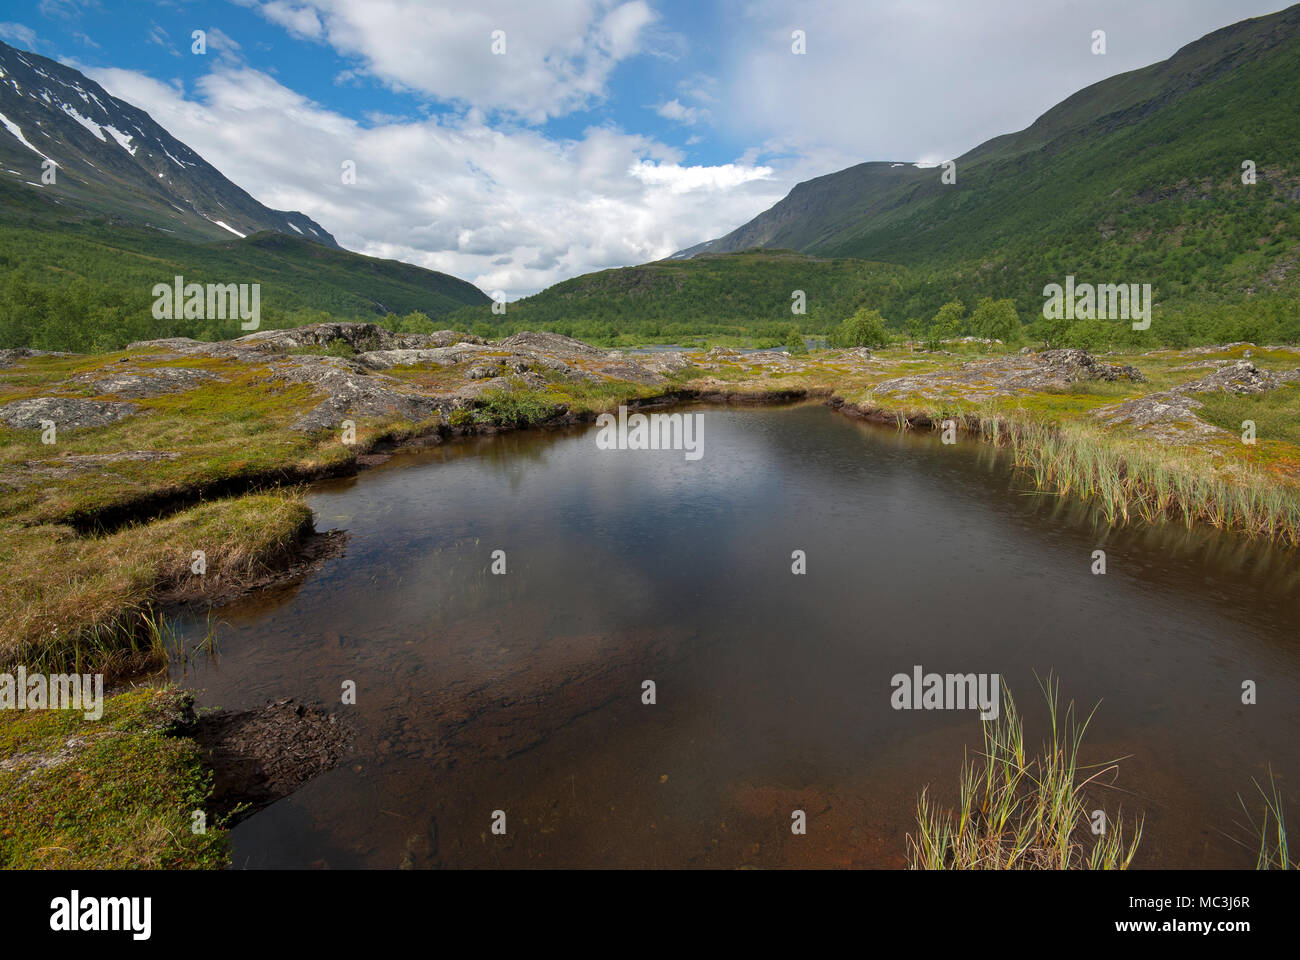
x,y
115,161
1135,178
132,206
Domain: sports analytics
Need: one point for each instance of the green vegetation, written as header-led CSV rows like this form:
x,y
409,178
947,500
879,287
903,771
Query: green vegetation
x,y
77,603
1130,479
105,794
1276,414
1270,831
515,405
88,286
1136,179
1022,812
866,328
747,296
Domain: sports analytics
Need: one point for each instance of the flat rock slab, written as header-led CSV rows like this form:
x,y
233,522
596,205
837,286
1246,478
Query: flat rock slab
x,y
136,383
65,412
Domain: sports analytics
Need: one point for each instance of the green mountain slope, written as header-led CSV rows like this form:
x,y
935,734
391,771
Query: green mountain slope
x,y
744,294
87,284
1137,178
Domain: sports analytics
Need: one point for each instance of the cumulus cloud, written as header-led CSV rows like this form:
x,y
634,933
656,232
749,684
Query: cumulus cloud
x,y
674,109
557,55
505,207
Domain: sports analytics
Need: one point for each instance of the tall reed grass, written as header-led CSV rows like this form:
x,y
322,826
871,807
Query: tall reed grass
x,y
1130,480
1024,812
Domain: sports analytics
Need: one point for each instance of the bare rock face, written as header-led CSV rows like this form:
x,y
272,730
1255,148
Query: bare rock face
x,y
66,413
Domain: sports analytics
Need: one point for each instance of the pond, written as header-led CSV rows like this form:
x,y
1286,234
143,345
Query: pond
x,y
523,692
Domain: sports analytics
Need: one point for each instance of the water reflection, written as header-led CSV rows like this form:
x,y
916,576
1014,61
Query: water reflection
x,y
523,692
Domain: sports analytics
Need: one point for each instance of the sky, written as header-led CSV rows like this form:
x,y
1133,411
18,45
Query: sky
x,y
517,143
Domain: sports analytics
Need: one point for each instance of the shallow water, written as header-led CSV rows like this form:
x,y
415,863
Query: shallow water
x,y
522,692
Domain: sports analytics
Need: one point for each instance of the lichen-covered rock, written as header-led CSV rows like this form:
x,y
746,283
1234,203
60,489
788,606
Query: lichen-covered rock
x,y
978,380
554,344
1240,377
136,383
1170,416
66,412
1074,365
16,354
442,356
351,391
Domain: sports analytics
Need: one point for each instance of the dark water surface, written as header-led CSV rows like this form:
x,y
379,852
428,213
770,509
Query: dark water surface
x,y
522,692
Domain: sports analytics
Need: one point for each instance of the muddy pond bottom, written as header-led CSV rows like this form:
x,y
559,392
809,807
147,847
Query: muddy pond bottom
x,y
523,692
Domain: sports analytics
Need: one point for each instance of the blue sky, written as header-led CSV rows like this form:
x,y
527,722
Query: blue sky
x,y
610,131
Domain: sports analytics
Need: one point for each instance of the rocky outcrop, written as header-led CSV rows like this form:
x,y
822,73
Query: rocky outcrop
x,y
1170,416
1240,377
1073,366
979,380
137,383
65,412
351,391
17,354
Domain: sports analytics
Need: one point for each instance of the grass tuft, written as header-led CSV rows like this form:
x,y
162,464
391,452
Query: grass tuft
x,y
1018,812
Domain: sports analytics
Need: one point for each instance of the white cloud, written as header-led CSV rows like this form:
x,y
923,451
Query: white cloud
x,y
19,34
558,55
301,21
504,207
674,109
930,79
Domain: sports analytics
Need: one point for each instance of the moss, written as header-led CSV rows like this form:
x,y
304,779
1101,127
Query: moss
x,y
117,792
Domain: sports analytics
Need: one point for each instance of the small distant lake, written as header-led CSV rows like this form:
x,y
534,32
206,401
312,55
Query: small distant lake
x,y
523,692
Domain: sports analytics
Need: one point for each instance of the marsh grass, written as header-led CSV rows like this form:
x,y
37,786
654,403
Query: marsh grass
x,y
1269,834
1023,812
1130,480
90,603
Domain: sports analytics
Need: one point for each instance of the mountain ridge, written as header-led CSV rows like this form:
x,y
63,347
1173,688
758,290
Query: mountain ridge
x,y
114,159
